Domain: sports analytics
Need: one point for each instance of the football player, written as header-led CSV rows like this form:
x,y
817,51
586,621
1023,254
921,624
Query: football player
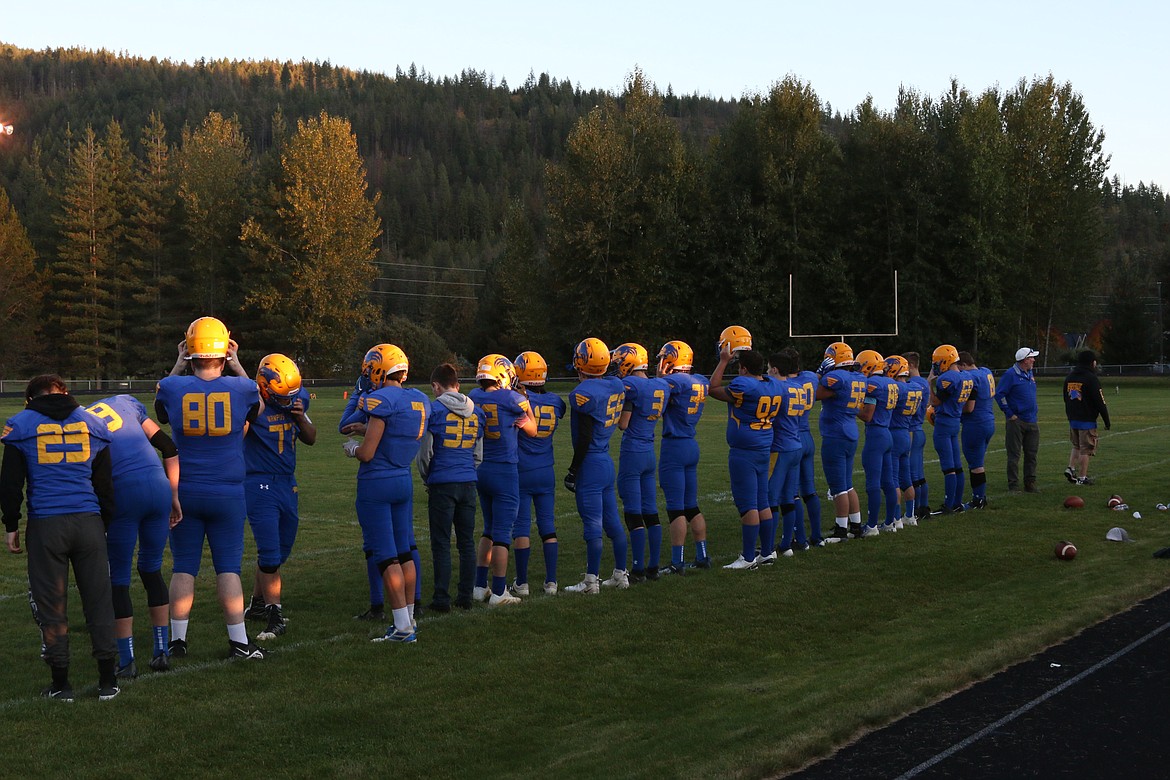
x,y
678,460
594,408
507,413
841,391
881,398
451,450
752,399
898,370
787,452
353,423
209,413
950,392
147,508
61,452
646,397
977,426
537,478
918,396
396,417
270,457
807,382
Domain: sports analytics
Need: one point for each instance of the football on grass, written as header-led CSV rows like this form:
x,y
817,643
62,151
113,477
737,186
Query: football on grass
x,y
1066,551
1074,502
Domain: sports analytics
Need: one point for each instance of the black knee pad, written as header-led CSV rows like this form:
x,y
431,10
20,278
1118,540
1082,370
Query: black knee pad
x,y
786,508
692,513
385,564
548,537
651,520
123,608
269,569
775,510
811,498
919,482
634,521
505,545
978,478
486,535
156,589
413,549
405,558
958,472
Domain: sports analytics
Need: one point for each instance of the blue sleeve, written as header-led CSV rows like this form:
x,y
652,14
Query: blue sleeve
x,y
1004,391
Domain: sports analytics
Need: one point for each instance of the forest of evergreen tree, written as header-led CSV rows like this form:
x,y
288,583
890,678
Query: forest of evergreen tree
x,y
318,210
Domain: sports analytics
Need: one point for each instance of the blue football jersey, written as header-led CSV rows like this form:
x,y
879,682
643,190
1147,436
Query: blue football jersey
x,y
885,393
983,392
271,444
58,456
645,400
839,413
404,412
684,405
130,449
207,419
600,398
453,438
917,399
502,409
786,424
807,381
755,401
537,451
953,388
909,398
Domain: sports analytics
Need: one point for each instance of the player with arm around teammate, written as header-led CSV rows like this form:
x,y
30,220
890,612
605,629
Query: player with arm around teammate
x,y
396,419
787,452
209,413
841,392
752,400
678,461
594,408
881,398
270,454
646,397
538,479
147,508
977,426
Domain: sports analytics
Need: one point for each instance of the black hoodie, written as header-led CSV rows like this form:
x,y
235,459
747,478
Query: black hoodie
x,y
14,471
1083,397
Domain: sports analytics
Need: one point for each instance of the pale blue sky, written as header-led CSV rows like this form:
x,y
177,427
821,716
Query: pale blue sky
x,y
1112,53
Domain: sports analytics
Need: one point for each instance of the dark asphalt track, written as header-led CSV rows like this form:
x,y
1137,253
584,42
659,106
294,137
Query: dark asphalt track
x,y
1097,706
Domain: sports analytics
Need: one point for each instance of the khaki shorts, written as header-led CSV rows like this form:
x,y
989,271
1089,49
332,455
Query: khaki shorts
x,y
1084,439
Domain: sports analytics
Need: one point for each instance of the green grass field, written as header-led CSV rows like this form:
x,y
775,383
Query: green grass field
x,y
721,673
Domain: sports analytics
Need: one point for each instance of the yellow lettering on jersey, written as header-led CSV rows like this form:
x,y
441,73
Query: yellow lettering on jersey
x,y
546,421
658,405
207,414
766,409
112,418
913,401
856,394
698,397
57,443
965,390
613,408
892,397
460,432
421,408
492,426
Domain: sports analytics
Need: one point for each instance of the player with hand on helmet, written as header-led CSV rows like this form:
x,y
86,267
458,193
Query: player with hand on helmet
x,y
950,394
538,479
645,399
209,414
507,413
841,392
678,460
270,456
881,399
595,406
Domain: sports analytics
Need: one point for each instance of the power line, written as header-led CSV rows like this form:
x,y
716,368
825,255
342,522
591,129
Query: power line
x,y
428,281
433,267
425,295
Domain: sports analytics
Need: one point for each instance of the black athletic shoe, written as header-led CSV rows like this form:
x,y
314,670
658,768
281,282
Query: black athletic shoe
x,y
127,672
923,512
178,648
250,651
637,575
704,563
257,610
276,625
462,603
419,611
978,503
108,691
374,615
160,663
839,535
674,569
652,573
1070,475
60,694
855,530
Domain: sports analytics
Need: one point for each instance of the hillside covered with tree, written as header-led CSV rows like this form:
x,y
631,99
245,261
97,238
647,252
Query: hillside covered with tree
x,y
318,210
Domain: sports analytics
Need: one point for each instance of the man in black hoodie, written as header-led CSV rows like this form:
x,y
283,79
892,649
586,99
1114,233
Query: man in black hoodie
x,y
60,450
1084,401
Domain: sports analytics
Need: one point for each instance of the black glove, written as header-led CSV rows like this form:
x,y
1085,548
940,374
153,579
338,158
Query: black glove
x,y
571,482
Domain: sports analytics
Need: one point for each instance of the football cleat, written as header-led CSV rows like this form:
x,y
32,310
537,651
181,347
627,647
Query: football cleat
x,y
889,528
910,520
943,357
177,648
674,569
978,503
1084,480
871,362
855,530
246,650
257,609
380,363
279,381
207,337
897,366
869,531
629,358
841,353
276,626
619,580
736,338
160,663
899,525
591,357
742,564
498,369
531,369
1070,475
127,672
767,560
550,589
108,691
502,599
518,589
394,635
60,694
840,534
377,615
701,563
480,594
589,586
675,356
787,551
637,576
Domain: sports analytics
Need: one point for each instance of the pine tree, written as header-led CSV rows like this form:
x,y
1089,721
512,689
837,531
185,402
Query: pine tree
x,y
21,292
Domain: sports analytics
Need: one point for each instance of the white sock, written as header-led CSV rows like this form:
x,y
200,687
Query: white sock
x,y
179,629
237,633
410,610
843,522
855,517
402,620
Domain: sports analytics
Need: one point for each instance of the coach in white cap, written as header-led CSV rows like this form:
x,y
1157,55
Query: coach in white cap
x,y
1016,396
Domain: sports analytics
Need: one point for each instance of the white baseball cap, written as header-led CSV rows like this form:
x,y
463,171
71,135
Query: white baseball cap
x,y
1117,534
1023,353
